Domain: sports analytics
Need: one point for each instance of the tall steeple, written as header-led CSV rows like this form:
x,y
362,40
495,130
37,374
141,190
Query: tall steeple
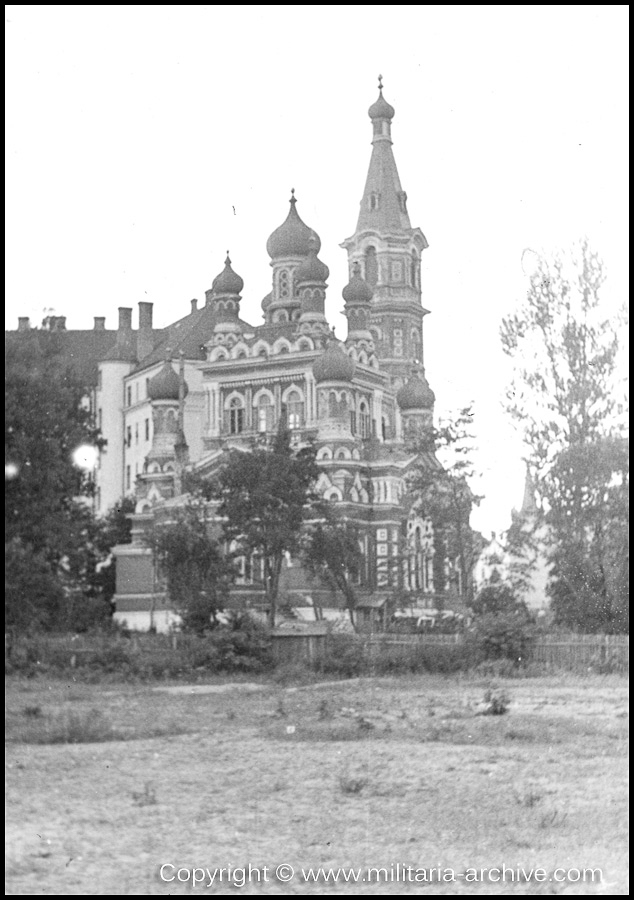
x,y
388,251
384,203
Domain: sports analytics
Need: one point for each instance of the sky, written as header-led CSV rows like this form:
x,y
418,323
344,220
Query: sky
x,y
144,141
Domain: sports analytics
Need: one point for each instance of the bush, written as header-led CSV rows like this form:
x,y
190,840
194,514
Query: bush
x,y
344,657
504,635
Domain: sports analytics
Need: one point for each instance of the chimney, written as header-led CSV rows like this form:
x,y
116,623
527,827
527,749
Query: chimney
x,y
145,339
194,305
24,323
100,323
125,323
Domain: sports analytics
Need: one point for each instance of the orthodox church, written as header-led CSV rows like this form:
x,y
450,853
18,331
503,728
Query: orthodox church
x,y
177,399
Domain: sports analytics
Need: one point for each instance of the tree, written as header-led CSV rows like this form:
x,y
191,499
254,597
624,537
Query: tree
x,y
45,421
197,572
563,396
442,493
264,495
46,521
332,552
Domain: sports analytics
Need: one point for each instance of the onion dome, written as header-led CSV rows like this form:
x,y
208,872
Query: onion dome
x,y
381,109
165,384
357,290
333,364
416,394
292,237
312,268
266,301
228,282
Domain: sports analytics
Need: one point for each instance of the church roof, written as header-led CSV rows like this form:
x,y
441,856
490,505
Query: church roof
x,y
165,385
292,237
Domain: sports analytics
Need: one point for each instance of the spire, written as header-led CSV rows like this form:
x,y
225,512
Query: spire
x,y
384,203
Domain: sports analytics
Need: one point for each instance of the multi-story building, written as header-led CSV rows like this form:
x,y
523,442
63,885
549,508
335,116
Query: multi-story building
x,y
180,397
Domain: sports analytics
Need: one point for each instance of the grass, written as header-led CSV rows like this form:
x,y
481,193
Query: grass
x,y
354,774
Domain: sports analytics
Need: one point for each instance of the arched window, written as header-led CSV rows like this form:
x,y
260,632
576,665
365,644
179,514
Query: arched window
x,y
265,414
295,410
364,420
371,267
235,416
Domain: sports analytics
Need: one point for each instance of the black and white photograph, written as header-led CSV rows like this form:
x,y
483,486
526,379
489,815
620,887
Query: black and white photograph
x,y
316,449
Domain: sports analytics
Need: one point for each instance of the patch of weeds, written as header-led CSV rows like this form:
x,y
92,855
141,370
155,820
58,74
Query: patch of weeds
x,y
324,711
530,799
352,784
554,819
364,724
146,797
32,712
280,710
231,714
497,703
68,728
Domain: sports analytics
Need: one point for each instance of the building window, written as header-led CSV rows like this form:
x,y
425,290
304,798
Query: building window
x,y
353,422
128,437
373,202
129,395
136,433
295,409
371,267
236,416
99,418
265,414
147,387
364,420
147,429
127,478
414,269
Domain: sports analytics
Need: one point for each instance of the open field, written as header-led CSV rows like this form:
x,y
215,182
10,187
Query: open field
x,y
368,773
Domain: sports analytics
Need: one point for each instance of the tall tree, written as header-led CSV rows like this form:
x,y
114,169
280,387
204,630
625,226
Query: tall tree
x,y
46,420
563,395
443,494
332,552
197,571
264,495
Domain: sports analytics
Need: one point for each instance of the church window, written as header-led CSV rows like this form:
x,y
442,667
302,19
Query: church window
x,y
398,341
236,416
414,269
295,409
147,429
353,421
397,271
364,420
128,437
265,414
371,267
127,478
373,201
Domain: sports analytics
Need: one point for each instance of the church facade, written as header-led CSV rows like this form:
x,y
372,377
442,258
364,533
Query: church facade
x,y
177,399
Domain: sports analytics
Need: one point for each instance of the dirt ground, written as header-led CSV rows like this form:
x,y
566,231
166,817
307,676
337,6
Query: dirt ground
x,y
390,773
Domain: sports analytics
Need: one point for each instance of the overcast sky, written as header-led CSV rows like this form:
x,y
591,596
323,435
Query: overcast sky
x,y
145,141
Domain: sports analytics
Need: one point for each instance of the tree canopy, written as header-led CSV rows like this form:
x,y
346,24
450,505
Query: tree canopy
x,y
564,396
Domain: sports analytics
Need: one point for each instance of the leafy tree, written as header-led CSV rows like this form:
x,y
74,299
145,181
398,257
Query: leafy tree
x,y
197,572
442,493
46,521
263,497
332,552
45,421
497,597
563,396
114,528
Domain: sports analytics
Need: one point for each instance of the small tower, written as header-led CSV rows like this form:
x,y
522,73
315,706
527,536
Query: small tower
x,y
224,298
288,246
310,278
388,251
333,372
416,403
357,295
160,479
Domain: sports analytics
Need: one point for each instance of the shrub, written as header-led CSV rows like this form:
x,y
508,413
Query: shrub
x,y
505,635
343,657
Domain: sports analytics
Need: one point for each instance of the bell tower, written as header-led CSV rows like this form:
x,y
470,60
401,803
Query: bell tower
x,y
388,252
